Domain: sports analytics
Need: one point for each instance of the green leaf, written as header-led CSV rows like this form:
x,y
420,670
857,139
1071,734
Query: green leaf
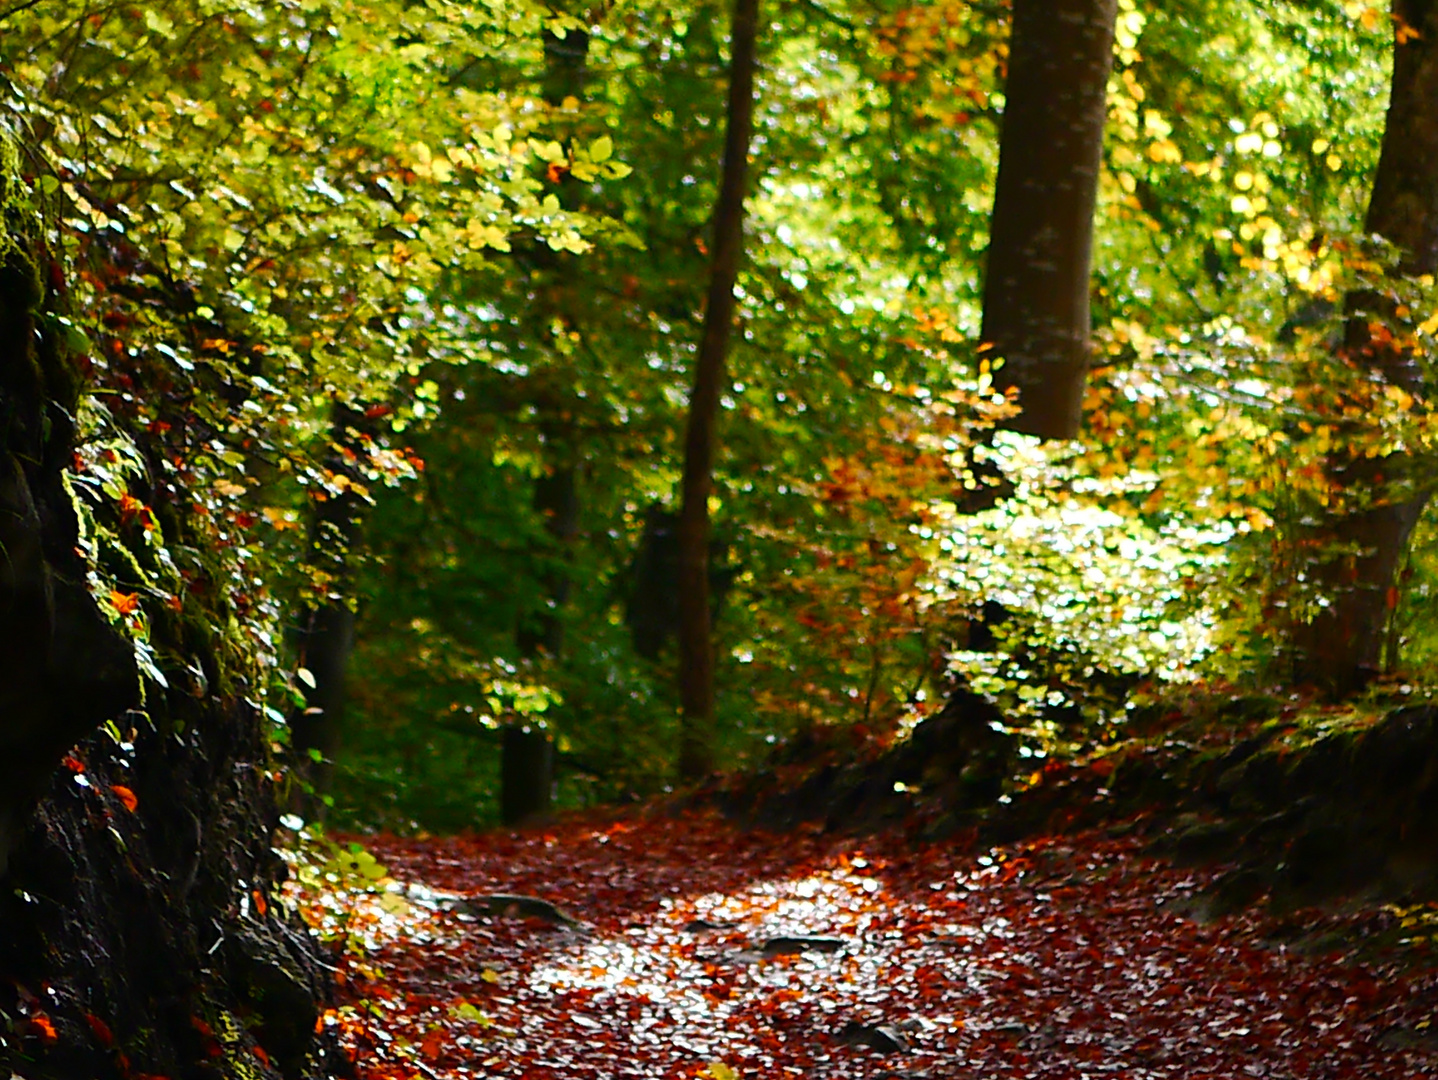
x,y
158,24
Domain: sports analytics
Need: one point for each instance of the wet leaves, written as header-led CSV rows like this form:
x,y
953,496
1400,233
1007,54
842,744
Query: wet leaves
x,y
1058,957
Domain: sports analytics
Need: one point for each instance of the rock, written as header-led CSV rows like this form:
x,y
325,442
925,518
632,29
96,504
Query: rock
x,y
279,992
1400,1038
881,1037
703,926
508,906
793,946
1237,890
1012,1030
1206,841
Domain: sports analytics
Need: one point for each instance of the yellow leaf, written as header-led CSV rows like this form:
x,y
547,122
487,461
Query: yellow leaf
x,y
717,1070
393,904
601,149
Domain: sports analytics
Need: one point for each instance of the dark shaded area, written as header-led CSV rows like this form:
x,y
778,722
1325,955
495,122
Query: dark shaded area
x,y
63,669
152,939
527,775
651,609
959,759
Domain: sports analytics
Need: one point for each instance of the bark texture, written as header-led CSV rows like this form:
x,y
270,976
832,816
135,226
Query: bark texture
x,y
1036,288
696,646
1341,649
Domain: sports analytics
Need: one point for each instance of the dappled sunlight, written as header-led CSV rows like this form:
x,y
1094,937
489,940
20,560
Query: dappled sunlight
x,y
683,948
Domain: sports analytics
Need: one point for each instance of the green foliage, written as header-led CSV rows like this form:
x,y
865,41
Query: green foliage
x,y
395,254
261,205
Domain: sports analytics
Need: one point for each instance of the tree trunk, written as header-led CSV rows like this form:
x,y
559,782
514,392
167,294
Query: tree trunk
x,y
526,763
528,774
556,501
327,627
526,769
1341,648
1036,289
696,647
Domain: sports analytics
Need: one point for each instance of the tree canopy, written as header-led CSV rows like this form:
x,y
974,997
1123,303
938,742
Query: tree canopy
x,y
447,264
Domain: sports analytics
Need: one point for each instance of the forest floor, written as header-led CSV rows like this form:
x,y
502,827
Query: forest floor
x,y
698,950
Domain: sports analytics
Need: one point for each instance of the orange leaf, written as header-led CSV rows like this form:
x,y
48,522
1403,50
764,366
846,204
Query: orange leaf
x,y
124,603
42,1027
261,905
126,796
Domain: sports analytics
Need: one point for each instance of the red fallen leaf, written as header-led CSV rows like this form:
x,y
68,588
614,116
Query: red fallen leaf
x,y
260,1053
432,1045
101,1030
202,1027
74,764
261,904
374,412
41,1026
126,796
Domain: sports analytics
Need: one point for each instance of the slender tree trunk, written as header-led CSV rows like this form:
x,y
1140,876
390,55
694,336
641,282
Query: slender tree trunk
x,y
1036,289
556,501
1341,648
526,771
696,647
326,628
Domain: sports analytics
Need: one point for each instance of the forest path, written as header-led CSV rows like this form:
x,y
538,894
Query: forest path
x,y
1055,957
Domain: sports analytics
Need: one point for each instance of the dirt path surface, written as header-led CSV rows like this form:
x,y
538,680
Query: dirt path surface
x,y
701,951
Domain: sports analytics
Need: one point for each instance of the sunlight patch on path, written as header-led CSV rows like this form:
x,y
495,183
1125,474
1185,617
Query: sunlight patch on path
x,y
1056,958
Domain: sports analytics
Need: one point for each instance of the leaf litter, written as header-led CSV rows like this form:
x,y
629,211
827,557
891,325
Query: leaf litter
x,y
1059,956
